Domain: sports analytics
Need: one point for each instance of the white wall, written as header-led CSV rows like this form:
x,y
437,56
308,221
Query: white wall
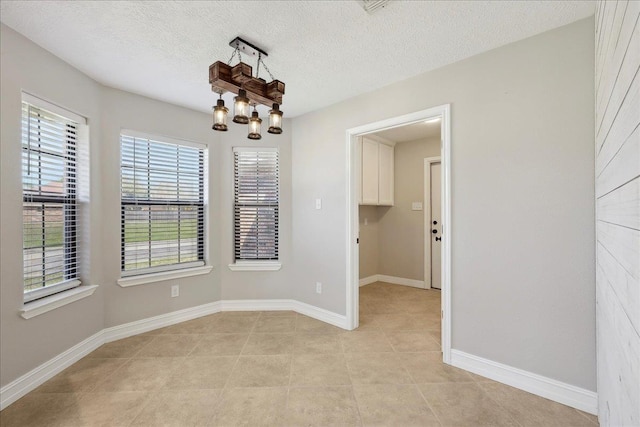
x,y
617,168
522,199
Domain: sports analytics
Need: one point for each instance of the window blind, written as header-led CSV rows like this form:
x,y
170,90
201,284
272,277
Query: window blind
x,y
49,209
256,203
162,210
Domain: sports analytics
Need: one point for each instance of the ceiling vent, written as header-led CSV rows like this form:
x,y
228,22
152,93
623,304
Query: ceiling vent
x,y
372,6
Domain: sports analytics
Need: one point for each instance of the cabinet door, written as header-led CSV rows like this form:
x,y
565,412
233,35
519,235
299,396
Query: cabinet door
x,y
385,175
369,172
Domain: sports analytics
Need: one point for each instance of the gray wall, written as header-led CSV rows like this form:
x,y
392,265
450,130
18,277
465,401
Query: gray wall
x,y
523,282
522,156
369,241
26,344
617,142
123,110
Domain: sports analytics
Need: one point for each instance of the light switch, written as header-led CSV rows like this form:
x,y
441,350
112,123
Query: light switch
x,y
366,221
416,206
318,203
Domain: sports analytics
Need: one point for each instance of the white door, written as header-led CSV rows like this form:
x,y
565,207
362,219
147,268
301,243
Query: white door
x,y
436,226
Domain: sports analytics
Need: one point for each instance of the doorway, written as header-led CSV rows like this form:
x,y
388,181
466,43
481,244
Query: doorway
x,y
354,173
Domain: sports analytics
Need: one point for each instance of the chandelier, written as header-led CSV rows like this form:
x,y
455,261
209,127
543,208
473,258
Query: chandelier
x,y
251,91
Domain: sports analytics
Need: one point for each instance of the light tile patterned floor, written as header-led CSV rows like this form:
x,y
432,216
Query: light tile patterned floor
x,y
281,368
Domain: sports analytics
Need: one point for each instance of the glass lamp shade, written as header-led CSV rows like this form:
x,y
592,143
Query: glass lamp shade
x,y
275,120
254,126
220,116
241,108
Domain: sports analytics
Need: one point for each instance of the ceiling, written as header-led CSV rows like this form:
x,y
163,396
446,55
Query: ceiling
x,y
412,132
325,51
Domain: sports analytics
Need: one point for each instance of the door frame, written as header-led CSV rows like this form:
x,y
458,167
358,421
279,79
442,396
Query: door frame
x,y
353,174
428,161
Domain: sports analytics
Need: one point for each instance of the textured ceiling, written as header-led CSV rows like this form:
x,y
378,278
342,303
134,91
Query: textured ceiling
x,y
325,51
413,132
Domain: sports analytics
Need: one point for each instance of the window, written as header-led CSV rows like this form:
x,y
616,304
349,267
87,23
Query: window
x,y
256,204
162,210
49,198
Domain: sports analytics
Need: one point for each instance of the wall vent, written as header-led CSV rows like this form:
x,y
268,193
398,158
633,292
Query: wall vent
x,y
372,6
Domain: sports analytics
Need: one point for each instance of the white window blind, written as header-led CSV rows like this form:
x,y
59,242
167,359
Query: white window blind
x,y
49,209
162,210
256,203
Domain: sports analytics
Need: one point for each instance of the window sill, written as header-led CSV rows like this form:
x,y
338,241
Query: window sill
x,y
256,266
43,305
142,279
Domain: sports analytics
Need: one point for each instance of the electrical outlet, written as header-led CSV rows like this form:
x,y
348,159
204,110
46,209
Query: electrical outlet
x,y
318,288
175,291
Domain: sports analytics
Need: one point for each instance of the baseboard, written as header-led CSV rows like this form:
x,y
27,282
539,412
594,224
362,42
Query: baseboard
x,y
548,388
391,279
401,281
34,378
150,323
368,280
286,304
321,314
257,305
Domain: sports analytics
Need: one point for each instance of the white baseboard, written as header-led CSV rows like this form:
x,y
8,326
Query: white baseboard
x,y
391,279
321,314
286,304
150,323
368,280
34,378
257,305
401,281
548,388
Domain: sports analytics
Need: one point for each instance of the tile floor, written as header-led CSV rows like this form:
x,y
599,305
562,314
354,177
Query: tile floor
x,y
282,368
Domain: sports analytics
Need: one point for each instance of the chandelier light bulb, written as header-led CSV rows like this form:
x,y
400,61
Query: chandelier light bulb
x,y
220,116
275,120
254,126
241,108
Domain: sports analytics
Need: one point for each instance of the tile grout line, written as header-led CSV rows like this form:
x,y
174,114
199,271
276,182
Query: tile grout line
x,y
429,405
497,403
226,383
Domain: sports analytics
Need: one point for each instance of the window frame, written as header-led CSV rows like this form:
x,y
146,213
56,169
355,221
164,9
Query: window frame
x,y
183,269
69,205
255,264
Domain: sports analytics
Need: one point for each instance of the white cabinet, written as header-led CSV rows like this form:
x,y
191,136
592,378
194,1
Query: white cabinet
x,y
377,173
369,172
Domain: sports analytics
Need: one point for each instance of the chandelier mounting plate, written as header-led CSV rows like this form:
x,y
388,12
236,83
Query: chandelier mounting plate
x,y
246,48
